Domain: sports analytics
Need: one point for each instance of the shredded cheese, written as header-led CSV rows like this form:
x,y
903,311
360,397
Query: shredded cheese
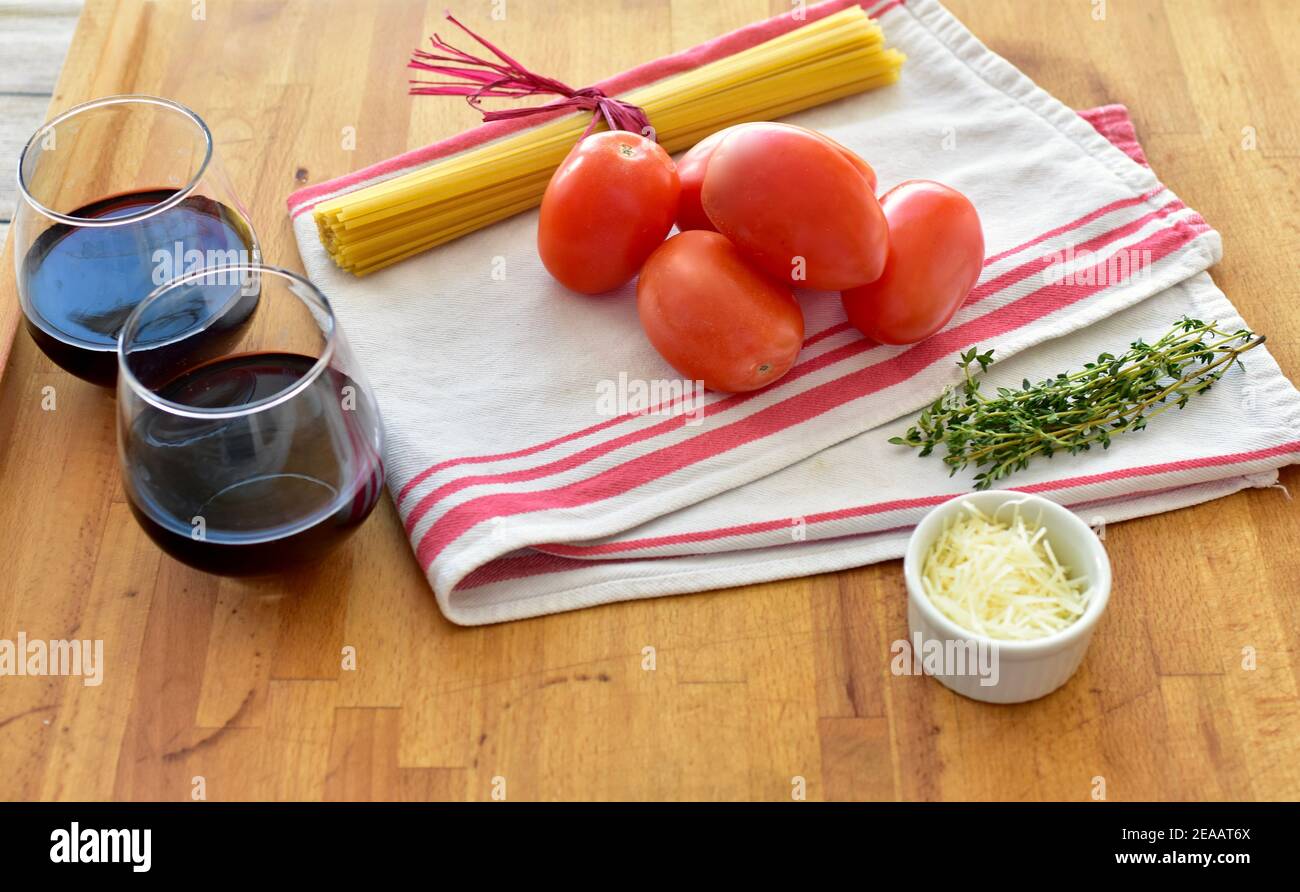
x,y
1001,579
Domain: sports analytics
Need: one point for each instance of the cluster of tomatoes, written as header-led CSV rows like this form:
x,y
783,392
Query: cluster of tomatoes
x,y
763,208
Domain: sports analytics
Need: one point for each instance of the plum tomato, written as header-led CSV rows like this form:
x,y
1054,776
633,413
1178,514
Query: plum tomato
x,y
714,317
691,167
796,207
936,253
607,207
690,170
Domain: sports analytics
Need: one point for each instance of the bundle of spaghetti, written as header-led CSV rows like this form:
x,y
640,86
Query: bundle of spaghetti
x,y
379,225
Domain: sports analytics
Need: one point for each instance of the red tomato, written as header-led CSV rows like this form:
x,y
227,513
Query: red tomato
x,y
690,212
715,318
690,170
796,206
936,252
607,207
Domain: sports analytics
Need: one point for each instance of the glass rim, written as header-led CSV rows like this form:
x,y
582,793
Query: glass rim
x,y
125,375
104,101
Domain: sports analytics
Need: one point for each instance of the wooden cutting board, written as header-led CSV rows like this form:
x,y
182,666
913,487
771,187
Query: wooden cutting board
x,y
241,683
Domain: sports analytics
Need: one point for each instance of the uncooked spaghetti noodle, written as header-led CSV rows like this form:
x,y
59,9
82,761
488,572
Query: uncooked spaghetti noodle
x,y
381,224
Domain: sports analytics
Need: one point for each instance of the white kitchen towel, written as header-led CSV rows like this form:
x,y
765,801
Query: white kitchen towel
x,y
527,490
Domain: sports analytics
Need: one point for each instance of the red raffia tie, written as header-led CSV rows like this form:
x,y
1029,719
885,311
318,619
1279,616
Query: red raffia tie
x,y
477,79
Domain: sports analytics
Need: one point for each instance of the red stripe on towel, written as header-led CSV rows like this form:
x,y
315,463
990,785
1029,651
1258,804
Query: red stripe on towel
x,y
803,368
877,13
799,408
1114,123
555,561
981,292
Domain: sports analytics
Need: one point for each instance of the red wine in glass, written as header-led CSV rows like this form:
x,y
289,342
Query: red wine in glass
x,y
250,452
322,483
81,282
119,196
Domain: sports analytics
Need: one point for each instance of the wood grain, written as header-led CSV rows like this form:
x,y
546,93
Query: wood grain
x,y
241,684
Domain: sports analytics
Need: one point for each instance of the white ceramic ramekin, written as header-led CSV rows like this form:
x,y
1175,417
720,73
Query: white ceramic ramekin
x,y
1023,670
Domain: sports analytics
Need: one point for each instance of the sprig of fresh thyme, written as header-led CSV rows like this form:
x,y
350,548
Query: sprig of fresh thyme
x,y
1073,411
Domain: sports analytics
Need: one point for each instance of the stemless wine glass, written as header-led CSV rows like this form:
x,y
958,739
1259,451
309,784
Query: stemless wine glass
x,y
119,195
251,448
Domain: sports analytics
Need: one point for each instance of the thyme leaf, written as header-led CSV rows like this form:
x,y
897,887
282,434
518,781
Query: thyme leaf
x,y
1075,411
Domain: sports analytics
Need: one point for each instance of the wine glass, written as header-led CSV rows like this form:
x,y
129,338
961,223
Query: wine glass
x,y
119,195
251,448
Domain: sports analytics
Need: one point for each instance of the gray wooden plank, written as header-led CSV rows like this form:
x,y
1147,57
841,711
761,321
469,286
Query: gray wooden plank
x,y
19,117
34,38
